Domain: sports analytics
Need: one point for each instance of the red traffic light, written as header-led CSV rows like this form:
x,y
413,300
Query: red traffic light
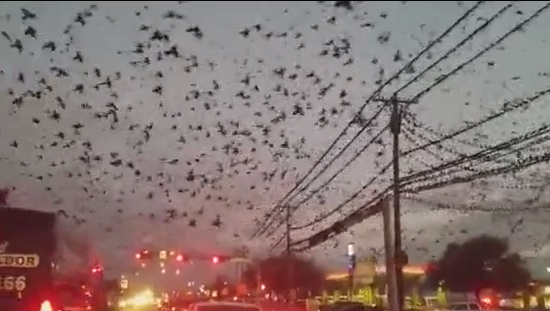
x,y
138,256
96,269
215,259
179,257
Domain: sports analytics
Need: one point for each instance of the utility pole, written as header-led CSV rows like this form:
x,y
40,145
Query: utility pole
x,y
400,257
391,285
290,267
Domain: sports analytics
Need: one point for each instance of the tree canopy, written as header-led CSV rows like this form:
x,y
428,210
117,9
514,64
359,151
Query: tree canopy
x,y
274,274
480,262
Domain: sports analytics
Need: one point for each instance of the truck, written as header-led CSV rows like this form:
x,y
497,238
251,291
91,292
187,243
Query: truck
x,y
27,253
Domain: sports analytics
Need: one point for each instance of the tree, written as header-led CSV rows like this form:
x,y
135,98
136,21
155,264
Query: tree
x,y
274,274
480,262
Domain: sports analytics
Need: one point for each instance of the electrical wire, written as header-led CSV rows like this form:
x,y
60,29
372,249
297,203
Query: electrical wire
x,y
515,105
311,194
461,208
370,208
485,50
484,158
529,139
484,155
295,207
337,226
411,134
334,175
454,49
433,85
410,82
277,209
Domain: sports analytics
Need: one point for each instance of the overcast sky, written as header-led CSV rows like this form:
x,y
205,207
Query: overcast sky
x,y
223,107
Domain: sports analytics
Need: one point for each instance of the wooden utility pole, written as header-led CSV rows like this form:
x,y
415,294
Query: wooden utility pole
x,y
398,253
391,288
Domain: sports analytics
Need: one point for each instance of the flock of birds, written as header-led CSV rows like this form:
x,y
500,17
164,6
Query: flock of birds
x,y
175,138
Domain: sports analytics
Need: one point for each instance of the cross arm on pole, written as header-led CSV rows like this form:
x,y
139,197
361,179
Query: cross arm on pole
x,y
395,111
396,99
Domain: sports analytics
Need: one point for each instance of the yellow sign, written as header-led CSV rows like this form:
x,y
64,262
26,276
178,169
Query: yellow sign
x,y
19,260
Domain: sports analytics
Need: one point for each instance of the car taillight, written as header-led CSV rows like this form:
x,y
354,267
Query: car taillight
x,y
46,306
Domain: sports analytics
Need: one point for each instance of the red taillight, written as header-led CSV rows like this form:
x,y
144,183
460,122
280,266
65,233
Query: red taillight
x,y
46,306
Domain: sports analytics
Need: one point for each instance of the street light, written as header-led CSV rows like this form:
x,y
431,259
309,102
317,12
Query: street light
x,y
351,249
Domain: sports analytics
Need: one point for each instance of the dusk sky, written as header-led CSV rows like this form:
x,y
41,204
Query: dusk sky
x,y
173,125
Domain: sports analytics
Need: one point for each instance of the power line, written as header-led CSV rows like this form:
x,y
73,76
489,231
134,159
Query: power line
x,y
529,139
517,104
411,134
311,194
277,208
486,49
357,154
366,210
376,114
416,78
441,80
356,216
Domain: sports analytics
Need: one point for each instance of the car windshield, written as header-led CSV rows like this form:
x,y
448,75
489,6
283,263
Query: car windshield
x,y
227,307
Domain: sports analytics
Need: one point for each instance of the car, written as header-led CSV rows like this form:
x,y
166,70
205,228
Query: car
x,y
224,306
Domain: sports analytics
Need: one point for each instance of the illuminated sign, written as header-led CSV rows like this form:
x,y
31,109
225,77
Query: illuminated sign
x,y
19,260
11,283
15,282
